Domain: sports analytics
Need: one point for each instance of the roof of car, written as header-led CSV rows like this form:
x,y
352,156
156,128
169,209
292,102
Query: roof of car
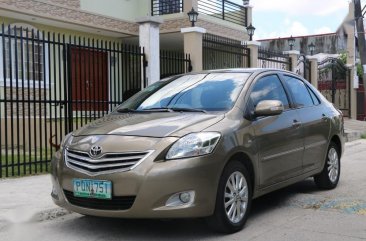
x,y
242,70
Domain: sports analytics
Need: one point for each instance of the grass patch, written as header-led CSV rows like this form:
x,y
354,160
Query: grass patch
x,y
363,136
25,163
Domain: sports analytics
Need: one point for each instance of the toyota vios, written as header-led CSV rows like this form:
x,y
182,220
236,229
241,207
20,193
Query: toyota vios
x,y
201,145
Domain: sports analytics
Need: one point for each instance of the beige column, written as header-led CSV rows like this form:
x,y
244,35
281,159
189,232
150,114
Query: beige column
x,y
249,14
189,4
313,70
353,78
253,46
149,38
351,61
193,45
294,56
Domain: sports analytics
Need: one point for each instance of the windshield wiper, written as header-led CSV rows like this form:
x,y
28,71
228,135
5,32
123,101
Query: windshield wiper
x,y
187,109
158,109
174,109
126,110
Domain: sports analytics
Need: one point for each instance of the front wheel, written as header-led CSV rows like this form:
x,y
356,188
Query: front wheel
x,y
233,201
329,177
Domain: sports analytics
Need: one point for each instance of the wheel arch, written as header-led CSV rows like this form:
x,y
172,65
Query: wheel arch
x,y
244,158
338,142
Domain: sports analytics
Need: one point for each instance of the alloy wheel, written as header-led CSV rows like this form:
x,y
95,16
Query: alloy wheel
x,y
236,197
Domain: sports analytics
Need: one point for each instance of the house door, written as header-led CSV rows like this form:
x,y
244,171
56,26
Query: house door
x,y
89,76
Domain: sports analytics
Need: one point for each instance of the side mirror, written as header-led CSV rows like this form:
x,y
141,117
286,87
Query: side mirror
x,y
269,108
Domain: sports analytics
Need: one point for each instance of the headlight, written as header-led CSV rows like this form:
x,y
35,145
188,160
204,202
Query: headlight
x,y
195,144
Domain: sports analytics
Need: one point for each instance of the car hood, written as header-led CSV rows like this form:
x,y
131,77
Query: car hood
x,y
159,124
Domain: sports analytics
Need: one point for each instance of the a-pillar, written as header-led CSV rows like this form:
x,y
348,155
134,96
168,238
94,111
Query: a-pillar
x,y
193,45
253,46
150,40
313,61
294,56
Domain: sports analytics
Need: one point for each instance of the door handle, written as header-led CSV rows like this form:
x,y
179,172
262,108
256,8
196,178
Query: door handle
x,y
296,124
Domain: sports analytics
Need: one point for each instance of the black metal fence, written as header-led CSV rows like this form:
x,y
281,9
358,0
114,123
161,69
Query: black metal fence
x,y
334,83
303,67
225,10
172,63
272,59
51,84
162,7
220,53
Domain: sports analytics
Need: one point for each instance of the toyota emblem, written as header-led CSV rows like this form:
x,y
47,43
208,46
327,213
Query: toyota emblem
x,y
95,150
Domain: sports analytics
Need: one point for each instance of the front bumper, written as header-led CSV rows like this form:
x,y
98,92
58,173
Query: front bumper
x,y
152,183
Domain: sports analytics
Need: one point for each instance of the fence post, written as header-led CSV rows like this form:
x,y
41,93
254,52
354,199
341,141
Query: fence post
x,y
294,56
150,40
193,45
313,61
253,58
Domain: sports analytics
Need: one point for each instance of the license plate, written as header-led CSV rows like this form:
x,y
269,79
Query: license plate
x,y
89,188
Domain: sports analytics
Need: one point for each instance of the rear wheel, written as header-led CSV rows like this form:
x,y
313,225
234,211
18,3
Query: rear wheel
x,y
329,177
233,201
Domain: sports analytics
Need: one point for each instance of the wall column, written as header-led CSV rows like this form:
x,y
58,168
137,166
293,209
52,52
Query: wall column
x,y
189,4
313,70
249,14
294,56
193,45
149,38
353,78
253,46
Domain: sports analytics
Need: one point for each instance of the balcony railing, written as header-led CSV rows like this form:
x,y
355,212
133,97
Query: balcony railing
x,y
225,10
163,7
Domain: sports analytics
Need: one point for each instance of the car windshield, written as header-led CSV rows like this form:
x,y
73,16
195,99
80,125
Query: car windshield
x,y
192,92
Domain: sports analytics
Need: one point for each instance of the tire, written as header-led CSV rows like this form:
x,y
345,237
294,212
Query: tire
x,y
329,177
223,220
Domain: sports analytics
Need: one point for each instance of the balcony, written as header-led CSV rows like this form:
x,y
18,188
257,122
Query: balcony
x,y
164,7
222,9
225,10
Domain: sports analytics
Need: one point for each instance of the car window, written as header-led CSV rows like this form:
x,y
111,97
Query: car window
x,y
315,98
209,92
299,91
269,88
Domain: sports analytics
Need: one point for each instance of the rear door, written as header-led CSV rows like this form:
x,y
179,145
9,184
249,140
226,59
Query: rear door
x,y
314,120
278,138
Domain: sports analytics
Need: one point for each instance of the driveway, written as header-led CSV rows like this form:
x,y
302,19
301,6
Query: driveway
x,y
299,212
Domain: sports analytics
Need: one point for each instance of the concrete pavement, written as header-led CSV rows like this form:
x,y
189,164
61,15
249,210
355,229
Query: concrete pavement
x,y
300,212
354,129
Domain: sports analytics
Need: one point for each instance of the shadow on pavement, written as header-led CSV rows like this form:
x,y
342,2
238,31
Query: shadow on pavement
x,y
96,228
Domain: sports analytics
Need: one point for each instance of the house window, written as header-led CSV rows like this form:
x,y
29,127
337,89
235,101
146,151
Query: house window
x,y
169,6
24,52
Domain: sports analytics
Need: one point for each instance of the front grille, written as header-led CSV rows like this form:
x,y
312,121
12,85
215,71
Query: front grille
x,y
107,163
116,203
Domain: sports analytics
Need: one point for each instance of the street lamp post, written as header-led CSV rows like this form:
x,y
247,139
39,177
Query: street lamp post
x,y
291,42
250,31
311,48
193,16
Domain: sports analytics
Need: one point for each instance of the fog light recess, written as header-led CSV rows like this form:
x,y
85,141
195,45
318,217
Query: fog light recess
x,y
180,199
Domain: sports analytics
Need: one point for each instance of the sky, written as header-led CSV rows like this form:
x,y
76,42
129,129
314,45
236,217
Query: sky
x,y
282,18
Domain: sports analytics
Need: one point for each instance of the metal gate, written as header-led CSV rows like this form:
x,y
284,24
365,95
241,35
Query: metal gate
x,y
334,83
51,84
222,53
303,67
